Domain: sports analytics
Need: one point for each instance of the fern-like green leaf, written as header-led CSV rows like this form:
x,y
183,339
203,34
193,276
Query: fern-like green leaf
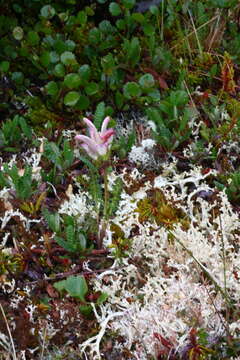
x,y
70,234
99,115
115,197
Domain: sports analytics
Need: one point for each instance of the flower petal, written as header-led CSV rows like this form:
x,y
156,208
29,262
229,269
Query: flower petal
x,y
92,154
92,130
107,134
105,124
91,144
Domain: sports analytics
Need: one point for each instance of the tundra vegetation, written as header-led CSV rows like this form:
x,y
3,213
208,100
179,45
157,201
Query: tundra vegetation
x,y
120,179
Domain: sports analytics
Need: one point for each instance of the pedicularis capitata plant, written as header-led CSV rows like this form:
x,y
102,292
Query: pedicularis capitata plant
x,y
98,143
97,146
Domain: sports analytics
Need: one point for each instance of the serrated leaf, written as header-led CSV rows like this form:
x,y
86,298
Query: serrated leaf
x,y
88,163
65,244
70,233
25,128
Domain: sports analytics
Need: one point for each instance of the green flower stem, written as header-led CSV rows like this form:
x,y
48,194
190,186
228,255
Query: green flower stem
x,y
106,195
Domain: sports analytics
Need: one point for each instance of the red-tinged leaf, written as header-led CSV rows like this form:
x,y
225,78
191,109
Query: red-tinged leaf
x,y
51,291
193,337
164,341
162,83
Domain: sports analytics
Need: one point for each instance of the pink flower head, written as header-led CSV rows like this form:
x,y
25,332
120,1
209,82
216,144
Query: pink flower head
x,y
97,144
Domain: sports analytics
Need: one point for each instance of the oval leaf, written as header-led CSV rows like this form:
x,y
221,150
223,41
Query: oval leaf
x,y
71,98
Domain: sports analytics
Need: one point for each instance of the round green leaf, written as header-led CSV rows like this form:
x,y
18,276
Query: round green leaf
x,y
70,45
106,27
154,10
121,24
71,98
85,72
146,81
54,57
68,58
115,9
91,89
45,58
59,70
138,17
24,51
51,88
18,33
72,81
47,11
94,36
149,29
18,77
83,103
10,51
4,66
131,89
63,16
33,38
129,4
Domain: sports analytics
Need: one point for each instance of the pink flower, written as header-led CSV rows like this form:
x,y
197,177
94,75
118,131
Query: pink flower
x,y
97,144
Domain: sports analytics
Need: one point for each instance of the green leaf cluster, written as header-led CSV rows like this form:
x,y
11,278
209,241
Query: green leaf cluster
x,y
172,118
77,287
24,184
68,235
14,132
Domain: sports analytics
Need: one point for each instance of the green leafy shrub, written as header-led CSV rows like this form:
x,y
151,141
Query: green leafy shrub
x,y
172,119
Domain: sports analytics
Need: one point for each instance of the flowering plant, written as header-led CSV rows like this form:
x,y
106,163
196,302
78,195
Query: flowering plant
x,y
97,144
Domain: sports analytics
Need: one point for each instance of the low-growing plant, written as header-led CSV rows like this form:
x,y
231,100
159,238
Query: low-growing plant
x,y
77,287
60,157
172,117
231,185
13,133
22,180
67,232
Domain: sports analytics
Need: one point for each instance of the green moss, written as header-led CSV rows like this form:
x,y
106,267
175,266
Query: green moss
x,y
156,208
